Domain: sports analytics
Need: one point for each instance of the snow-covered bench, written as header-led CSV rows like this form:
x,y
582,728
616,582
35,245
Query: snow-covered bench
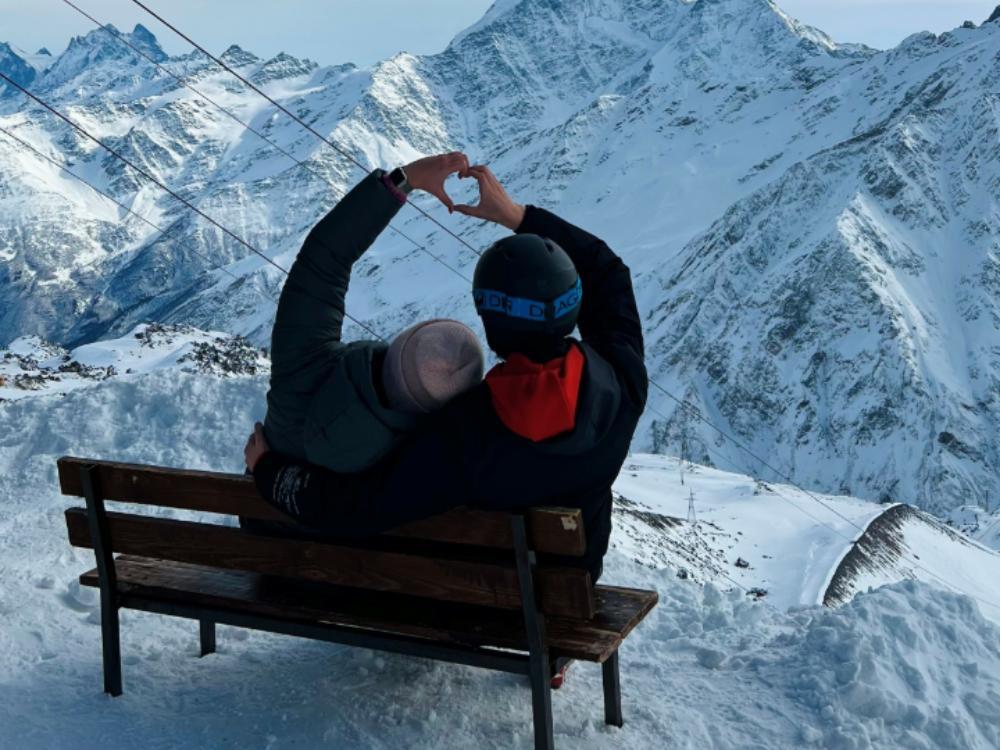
x,y
496,605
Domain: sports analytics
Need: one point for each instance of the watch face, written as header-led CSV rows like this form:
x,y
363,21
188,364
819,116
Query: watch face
x,y
399,179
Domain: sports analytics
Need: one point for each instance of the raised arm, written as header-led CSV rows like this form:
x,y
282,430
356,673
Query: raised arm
x,y
311,310
310,314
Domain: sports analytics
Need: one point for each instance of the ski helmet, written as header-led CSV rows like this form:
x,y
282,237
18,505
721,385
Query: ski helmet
x,y
528,293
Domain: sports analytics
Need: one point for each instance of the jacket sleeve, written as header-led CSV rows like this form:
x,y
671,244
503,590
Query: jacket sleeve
x,y
310,313
423,478
609,317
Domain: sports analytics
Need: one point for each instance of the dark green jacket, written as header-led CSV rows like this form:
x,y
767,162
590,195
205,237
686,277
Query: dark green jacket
x,y
323,406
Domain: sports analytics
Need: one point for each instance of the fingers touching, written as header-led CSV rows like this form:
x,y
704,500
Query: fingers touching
x,y
431,173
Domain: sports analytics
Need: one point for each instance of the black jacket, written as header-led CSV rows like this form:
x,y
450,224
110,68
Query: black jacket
x,y
464,455
323,406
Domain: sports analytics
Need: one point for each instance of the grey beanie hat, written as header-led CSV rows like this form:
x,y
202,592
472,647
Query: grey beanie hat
x,y
430,363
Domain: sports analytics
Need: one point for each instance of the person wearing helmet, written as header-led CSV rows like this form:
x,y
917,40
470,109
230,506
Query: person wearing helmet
x,y
551,424
345,406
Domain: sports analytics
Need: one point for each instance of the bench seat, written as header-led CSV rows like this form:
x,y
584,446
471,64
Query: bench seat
x,y
619,610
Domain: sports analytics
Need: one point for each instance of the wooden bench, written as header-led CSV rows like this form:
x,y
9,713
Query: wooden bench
x,y
497,604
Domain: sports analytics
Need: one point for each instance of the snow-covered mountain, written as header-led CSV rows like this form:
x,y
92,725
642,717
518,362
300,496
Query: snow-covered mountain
x,y
32,367
813,226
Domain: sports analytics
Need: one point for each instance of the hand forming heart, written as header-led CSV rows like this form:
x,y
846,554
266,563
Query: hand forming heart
x,y
494,203
430,173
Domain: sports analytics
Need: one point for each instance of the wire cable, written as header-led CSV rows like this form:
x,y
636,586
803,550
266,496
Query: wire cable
x,y
102,193
347,155
246,126
162,186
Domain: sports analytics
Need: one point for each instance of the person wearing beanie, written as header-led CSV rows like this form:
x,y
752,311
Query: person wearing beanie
x,y
550,425
345,406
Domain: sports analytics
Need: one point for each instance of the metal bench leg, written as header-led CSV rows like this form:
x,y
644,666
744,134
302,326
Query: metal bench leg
x,y
541,702
111,642
207,637
101,538
539,665
612,692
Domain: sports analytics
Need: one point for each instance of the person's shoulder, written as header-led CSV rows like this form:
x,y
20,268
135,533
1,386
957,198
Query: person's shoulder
x,y
618,371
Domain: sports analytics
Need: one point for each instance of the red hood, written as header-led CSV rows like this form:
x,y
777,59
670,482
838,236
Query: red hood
x,y
537,401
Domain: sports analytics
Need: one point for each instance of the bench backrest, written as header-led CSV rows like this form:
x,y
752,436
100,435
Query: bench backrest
x,y
462,556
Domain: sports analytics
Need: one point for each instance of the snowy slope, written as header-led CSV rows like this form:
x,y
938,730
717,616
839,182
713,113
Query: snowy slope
x,y
784,545
977,524
813,226
908,666
906,543
790,544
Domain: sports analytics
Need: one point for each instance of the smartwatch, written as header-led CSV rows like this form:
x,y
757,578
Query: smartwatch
x,y
400,181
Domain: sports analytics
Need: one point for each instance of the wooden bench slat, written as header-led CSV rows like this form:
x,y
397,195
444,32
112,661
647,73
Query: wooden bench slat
x,y
551,531
554,531
595,640
620,609
229,494
562,591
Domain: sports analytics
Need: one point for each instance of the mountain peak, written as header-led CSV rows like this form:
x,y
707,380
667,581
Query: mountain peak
x,y
141,33
44,51
283,65
995,16
145,40
105,44
107,39
236,56
17,67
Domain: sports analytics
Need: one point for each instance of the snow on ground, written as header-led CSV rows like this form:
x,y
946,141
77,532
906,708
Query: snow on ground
x,y
799,548
978,524
907,543
907,666
790,553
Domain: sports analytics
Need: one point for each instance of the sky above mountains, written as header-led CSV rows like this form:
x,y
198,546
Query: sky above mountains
x,y
365,31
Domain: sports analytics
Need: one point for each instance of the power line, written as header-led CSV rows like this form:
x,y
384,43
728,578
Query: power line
x,y
696,412
162,186
249,128
121,205
347,155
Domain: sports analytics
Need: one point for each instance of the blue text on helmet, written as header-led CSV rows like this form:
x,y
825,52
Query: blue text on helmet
x,y
488,300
